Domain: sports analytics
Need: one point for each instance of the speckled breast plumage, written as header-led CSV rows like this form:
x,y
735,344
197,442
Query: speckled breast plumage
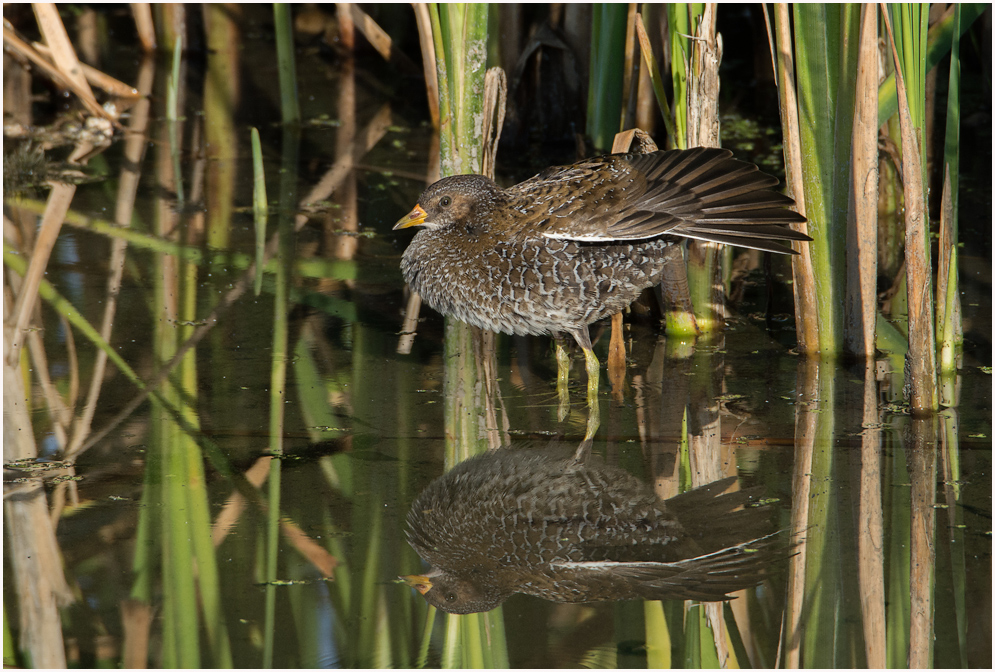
x,y
529,285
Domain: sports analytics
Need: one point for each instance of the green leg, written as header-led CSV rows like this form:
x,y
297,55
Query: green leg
x,y
593,374
562,378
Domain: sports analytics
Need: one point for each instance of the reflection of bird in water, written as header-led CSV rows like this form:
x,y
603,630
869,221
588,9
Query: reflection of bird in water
x,y
523,521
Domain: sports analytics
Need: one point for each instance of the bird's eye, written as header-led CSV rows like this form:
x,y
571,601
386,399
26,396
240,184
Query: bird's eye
x,y
445,201
451,597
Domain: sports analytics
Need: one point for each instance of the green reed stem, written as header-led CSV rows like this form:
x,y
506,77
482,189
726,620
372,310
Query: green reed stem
x,y
460,36
278,376
604,98
949,332
898,559
426,638
173,84
938,44
819,630
285,62
309,268
657,636
680,25
198,515
825,48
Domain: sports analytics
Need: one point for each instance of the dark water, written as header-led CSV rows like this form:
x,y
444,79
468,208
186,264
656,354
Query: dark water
x,y
896,512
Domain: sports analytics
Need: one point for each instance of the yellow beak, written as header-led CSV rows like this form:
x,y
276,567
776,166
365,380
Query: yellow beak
x,y
413,218
421,583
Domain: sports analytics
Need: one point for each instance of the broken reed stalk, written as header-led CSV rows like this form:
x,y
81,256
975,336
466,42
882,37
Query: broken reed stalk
x,y
64,56
94,77
700,110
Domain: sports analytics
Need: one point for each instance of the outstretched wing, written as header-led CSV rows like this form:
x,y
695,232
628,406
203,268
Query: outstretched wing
x,y
708,577
701,193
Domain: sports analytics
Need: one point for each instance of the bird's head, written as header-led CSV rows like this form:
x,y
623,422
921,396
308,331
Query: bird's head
x,y
453,594
451,200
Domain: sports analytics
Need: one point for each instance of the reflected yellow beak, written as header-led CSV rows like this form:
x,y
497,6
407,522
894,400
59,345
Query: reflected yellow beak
x,y
419,582
413,218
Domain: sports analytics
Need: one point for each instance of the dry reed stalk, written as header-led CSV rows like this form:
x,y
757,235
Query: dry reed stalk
x,y
346,196
803,287
495,107
616,345
495,430
135,144
922,471
36,561
347,25
142,13
51,223
860,311
58,410
64,56
371,31
413,309
628,67
95,77
136,623
654,74
428,60
703,100
233,507
801,485
26,51
870,527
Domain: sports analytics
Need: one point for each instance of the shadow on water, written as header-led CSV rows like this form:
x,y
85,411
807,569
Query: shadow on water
x,y
160,496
